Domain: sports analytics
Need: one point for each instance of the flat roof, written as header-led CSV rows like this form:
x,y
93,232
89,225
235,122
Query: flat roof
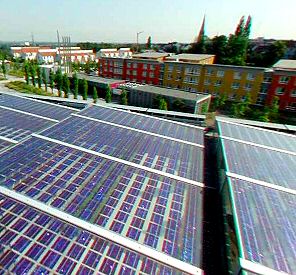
x,y
150,55
285,64
167,92
190,57
98,79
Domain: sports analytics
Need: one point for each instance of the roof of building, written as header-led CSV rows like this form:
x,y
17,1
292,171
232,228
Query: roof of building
x,y
189,57
97,210
100,80
285,64
152,55
262,195
166,92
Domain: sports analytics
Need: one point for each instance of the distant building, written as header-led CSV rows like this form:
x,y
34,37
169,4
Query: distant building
x,y
121,53
26,53
146,96
283,84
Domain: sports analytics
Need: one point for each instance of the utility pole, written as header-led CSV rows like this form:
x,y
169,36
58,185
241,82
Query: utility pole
x,y
138,33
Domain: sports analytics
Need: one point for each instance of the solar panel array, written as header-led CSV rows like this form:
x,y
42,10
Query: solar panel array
x,y
163,154
18,126
36,107
143,187
35,243
4,144
263,185
145,123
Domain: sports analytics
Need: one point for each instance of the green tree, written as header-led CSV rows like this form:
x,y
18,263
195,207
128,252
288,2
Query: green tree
x,y
32,70
273,110
87,66
76,85
85,89
44,78
163,105
76,66
108,97
95,95
218,47
39,77
3,66
178,105
123,97
27,72
148,44
51,80
59,81
66,85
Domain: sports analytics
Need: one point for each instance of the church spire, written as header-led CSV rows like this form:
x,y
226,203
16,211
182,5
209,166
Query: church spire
x,y
202,30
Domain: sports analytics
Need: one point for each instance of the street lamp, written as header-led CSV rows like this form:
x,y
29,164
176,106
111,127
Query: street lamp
x,y
138,33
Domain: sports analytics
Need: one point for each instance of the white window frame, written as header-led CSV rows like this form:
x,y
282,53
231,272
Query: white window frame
x,y
284,79
282,91
220,73
251,76
235,85
293,93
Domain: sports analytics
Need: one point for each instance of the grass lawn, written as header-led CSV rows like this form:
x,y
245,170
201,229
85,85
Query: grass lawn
x,y
22,87
17,73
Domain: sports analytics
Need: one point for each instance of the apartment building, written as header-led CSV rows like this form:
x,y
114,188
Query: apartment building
x,y
233,81
283,84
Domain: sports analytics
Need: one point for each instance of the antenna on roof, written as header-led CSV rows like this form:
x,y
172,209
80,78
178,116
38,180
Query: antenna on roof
x,y
59,49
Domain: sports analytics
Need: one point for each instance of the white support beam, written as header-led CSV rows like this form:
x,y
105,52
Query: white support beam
x,y
262,183
140,131
102,232
153,117
189,181
259,269
260,145
9,140
29,114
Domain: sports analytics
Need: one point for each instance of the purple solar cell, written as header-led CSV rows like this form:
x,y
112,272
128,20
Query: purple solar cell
x,y
40,270
35,251
124,270
7,237
92,259
76,251
21,244
66,266
117,227
131,259
50,259
22,267
108,266
85,270
60,244
46,238
83,238
133,233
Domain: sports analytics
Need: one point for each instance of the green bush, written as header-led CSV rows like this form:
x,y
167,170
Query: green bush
x,y
22,87
17,73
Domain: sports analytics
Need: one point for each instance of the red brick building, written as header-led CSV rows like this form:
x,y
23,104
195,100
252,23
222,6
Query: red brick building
x,y
283,85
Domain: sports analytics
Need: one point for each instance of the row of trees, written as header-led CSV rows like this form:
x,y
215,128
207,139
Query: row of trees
x,y
244,110
237,50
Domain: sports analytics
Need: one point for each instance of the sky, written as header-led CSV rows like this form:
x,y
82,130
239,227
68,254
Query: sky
x,y
163,20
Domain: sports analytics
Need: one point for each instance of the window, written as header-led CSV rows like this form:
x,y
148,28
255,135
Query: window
x,y
237,75
128,64
293,93
144,74
279,90
151,74
145,66
151,67
250,76
220,73
232,96
135,65
170,68
209,72
284,79
248,86
264,90
267,79
235,85
218,82
134,72
207,82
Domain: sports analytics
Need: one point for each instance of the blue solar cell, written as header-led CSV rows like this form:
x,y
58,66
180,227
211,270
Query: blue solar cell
x,y
259,136
18,126
145,123
108,191
63,251
267,223
4,144
261,164
35,107
165,155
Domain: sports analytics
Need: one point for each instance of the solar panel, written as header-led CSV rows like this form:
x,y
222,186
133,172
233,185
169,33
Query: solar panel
x,y
32,242
154,210
17,126
184,160
35,107
4,144
260,163
150,124
258,136
266,224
